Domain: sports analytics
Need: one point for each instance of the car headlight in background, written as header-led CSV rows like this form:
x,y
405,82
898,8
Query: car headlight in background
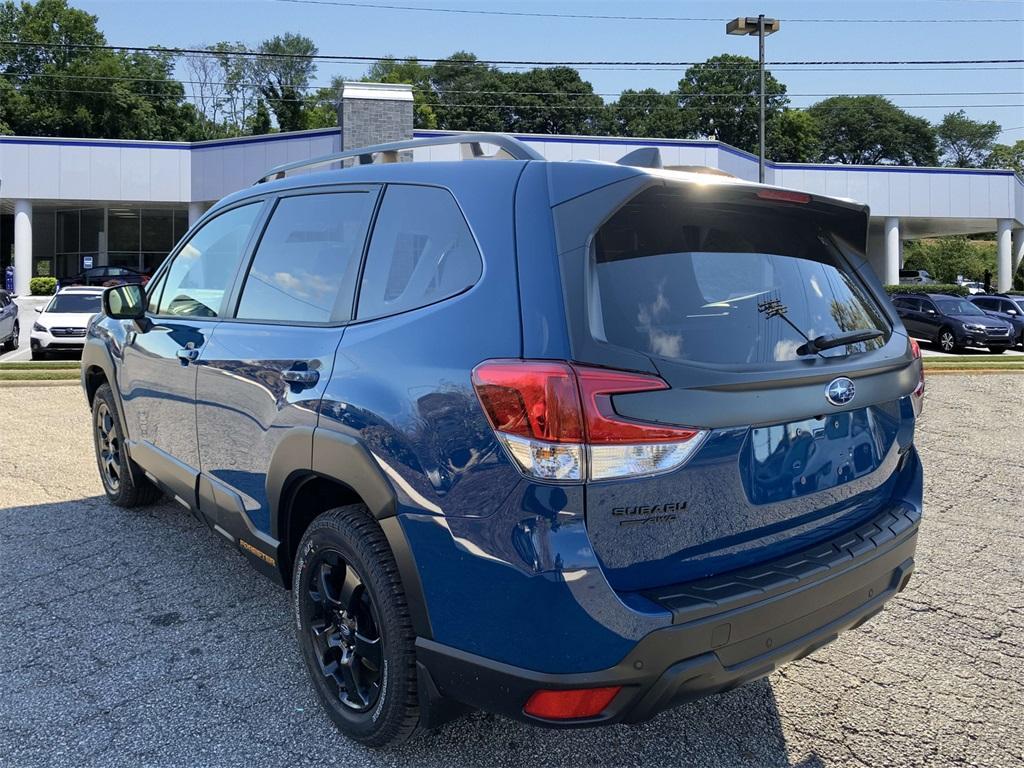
x,y
40,328
973,327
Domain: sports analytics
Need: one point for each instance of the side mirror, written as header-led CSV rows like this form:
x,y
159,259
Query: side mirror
x,y
931,311
39,310
1012,312
126,302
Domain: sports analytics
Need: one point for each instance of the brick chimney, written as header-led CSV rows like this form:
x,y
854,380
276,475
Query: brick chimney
x,y
374,113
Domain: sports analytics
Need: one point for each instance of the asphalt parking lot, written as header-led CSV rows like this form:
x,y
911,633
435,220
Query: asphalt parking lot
x,y
140,639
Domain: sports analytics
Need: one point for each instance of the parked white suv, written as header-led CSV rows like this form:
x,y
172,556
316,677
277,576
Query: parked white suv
x,y
61,324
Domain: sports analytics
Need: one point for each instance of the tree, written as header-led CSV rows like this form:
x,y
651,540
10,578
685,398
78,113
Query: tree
x,y
284,70
259,121
948,258
872,130
241,93
1007,156
647,113
555,100
794,136
69,90
963,142
720,100
470,96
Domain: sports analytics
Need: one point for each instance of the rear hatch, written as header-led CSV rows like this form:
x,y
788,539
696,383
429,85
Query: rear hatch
x,y
756,308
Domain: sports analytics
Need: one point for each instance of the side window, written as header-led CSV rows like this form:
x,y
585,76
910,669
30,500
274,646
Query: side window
x,y
205,266
421,252
306,265
926,305
984,303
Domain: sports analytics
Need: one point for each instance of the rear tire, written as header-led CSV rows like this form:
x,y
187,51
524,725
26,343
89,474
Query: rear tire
x,y
123,480
12,343
354,629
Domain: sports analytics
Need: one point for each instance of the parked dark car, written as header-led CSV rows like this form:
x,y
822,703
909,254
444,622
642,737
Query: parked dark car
x,y
10,329
569,442
952,322
106,275
1009,309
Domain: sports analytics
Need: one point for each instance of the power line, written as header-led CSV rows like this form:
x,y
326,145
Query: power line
x,y
253,85
616,17
339,57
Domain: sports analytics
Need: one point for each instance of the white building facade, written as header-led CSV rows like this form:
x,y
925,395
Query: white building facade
x,y
69,203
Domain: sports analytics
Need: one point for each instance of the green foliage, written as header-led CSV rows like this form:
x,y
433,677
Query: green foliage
x,y
646,113
284,76
963,142
872,130
66,90
794,136
1007,156
553,100
948,258
42,286
950,288
720,100
259,123
417,75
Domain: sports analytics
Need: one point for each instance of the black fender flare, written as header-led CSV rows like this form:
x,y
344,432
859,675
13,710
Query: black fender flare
x,y
96,354
306,452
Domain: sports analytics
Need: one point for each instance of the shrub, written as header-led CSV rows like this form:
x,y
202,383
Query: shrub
x,y
42,286
953,290
947,258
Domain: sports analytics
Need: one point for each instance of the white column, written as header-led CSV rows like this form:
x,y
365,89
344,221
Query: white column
x,y
1017,248
22,246
892,251
195,211
1005,277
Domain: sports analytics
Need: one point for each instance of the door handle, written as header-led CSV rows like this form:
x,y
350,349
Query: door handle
x,y
302,377
188,354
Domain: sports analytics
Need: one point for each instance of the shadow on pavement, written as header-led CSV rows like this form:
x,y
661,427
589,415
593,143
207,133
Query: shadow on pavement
x,y
183,655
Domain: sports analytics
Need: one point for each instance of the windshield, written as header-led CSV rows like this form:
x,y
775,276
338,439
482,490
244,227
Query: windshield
x,y
725,282
958,307
75,303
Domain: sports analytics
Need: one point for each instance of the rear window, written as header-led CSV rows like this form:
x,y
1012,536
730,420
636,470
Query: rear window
x,y
724,283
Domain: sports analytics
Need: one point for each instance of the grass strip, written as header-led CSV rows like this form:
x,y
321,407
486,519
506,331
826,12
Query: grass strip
x,y
56,365
38,375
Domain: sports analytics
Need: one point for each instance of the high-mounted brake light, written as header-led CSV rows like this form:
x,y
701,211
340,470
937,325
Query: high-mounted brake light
x,y
558,423
785,196
570,705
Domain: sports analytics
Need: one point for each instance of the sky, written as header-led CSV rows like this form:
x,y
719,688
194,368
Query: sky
x,y
836,31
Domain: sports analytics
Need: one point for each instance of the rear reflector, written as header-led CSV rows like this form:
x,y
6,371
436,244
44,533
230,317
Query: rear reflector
x,y
915,350
570,705
555,419
784,196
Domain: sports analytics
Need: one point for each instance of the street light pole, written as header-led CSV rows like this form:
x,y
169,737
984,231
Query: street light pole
x,y
762,27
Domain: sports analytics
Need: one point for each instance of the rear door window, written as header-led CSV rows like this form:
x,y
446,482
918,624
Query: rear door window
x,y
305,266
421,252
724,283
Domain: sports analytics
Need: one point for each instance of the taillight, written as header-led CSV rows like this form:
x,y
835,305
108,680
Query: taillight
x,y
915,350
557,421
784,196
571,705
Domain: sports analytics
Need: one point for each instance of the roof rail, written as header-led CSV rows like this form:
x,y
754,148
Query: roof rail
x,y
508,148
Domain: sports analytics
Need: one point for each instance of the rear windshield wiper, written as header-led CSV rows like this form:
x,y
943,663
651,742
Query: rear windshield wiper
x,y
814,346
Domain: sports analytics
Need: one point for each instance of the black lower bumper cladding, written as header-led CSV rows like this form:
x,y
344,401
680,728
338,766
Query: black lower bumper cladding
x,y
726,631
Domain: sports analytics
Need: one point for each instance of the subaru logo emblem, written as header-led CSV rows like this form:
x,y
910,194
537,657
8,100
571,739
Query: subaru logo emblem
x,y
840,391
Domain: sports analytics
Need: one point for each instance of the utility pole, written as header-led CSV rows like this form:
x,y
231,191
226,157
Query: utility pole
x,y
762,27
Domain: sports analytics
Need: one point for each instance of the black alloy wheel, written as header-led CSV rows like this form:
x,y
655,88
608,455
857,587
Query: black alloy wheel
x,y
108,447
343,631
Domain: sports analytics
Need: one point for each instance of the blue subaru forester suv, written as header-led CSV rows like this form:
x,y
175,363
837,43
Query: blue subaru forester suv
x,y
572,442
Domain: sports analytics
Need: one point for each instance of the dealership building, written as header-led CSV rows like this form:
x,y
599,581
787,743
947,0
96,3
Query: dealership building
x,y
66,204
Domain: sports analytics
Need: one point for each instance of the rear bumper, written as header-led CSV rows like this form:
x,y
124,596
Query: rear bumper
x,y
744,626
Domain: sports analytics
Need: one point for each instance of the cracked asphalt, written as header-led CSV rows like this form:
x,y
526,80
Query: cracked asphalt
x,y
140,639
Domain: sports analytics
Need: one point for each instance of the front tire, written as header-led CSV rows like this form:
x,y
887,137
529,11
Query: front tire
x,y
354,629
12,343
997,350
947,341
123,480
38,354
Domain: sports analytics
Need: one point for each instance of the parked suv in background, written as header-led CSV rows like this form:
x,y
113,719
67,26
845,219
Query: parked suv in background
x,y
952,322
571,442
915,276
1009,309
61,324
10,329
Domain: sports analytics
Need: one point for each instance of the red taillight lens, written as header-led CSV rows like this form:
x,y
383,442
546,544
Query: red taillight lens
x,y
603,425
546,412
915,351
530,399
570,705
